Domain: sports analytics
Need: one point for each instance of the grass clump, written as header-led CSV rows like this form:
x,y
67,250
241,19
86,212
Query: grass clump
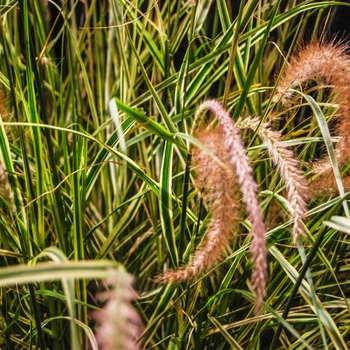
x,y
103,110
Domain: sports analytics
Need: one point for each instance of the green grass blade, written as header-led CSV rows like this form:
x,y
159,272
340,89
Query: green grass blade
x,y
233,344
166,207
339,223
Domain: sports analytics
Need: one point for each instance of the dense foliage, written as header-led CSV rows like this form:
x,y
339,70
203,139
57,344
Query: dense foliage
x,y
99,107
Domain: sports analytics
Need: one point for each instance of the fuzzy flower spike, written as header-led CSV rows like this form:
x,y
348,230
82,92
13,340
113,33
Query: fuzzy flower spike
x,y
331,62
216,181
288,167
222,182
119,324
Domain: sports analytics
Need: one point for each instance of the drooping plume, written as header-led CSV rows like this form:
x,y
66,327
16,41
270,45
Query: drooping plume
x,y
227,146
216,179
288,167
331,62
